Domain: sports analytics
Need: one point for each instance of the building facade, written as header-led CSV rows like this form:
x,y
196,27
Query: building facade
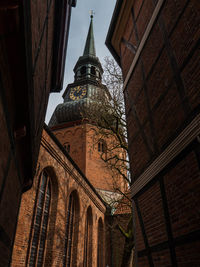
x,y
156,43
76,132
33,45
63,218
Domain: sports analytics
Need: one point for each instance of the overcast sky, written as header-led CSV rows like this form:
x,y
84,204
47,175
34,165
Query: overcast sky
x,y
80,21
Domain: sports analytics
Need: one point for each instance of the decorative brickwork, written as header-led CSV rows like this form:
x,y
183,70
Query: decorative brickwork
x,y
84,150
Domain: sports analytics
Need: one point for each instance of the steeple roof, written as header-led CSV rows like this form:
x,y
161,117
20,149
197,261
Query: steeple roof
x,y
89,45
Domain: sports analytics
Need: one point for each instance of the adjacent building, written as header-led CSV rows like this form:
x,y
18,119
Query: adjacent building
x,y
156,43
33,46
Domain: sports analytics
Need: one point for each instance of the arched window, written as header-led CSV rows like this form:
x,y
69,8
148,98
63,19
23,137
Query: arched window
x,y
83,70
71,233
40,222
102,147
100,244
88,239
67,147
93,70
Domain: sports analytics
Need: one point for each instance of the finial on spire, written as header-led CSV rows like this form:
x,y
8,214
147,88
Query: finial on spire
x,y
89,45
91,13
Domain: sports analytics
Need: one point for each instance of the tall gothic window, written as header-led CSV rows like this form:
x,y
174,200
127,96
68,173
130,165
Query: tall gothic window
x,y
100,244
88,239
40,222
71,234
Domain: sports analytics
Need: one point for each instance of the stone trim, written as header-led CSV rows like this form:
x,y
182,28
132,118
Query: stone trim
x,y
143,41
182,141
73,173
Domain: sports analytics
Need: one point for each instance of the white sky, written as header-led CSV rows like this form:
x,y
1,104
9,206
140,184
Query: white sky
x,y
80,21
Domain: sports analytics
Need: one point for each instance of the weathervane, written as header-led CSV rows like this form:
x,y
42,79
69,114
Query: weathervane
x,y
92,13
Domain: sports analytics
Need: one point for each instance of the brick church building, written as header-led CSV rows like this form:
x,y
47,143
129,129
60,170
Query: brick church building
x,y
157,45
62,218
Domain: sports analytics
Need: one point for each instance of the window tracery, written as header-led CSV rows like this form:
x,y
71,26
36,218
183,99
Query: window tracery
x,y
40,222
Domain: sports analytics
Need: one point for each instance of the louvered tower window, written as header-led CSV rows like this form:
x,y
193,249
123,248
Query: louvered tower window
x,y
93,70
40,222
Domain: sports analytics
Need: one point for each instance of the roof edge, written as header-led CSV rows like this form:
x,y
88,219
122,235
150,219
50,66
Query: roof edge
x,y
113,22
72,162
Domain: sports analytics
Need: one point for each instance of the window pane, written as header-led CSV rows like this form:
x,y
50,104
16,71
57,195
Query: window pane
x,y
40,223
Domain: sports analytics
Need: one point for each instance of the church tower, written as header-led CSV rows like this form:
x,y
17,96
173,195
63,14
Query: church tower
x,y
77,136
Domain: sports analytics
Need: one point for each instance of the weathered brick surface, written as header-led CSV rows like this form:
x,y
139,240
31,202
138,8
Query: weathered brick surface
x,y
186,33
10,183
76,137
138,154
154,222
4,146
161,258
128,54
188,254
144,17
39,11
137,5
150,137
64,180
135,83
83,140
165,122
126,60
42,39
14,78
138,234
170,12
162,97
143,261
171,88
158,81
183,196
191,79
141,107
132,125
152,49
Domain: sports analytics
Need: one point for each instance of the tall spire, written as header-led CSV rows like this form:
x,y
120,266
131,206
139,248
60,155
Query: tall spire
x,y
89,45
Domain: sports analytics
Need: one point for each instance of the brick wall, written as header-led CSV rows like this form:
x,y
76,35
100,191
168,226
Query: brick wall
x,y
76,137
65,179
83,140
162,93
162,99
26,51
168,213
